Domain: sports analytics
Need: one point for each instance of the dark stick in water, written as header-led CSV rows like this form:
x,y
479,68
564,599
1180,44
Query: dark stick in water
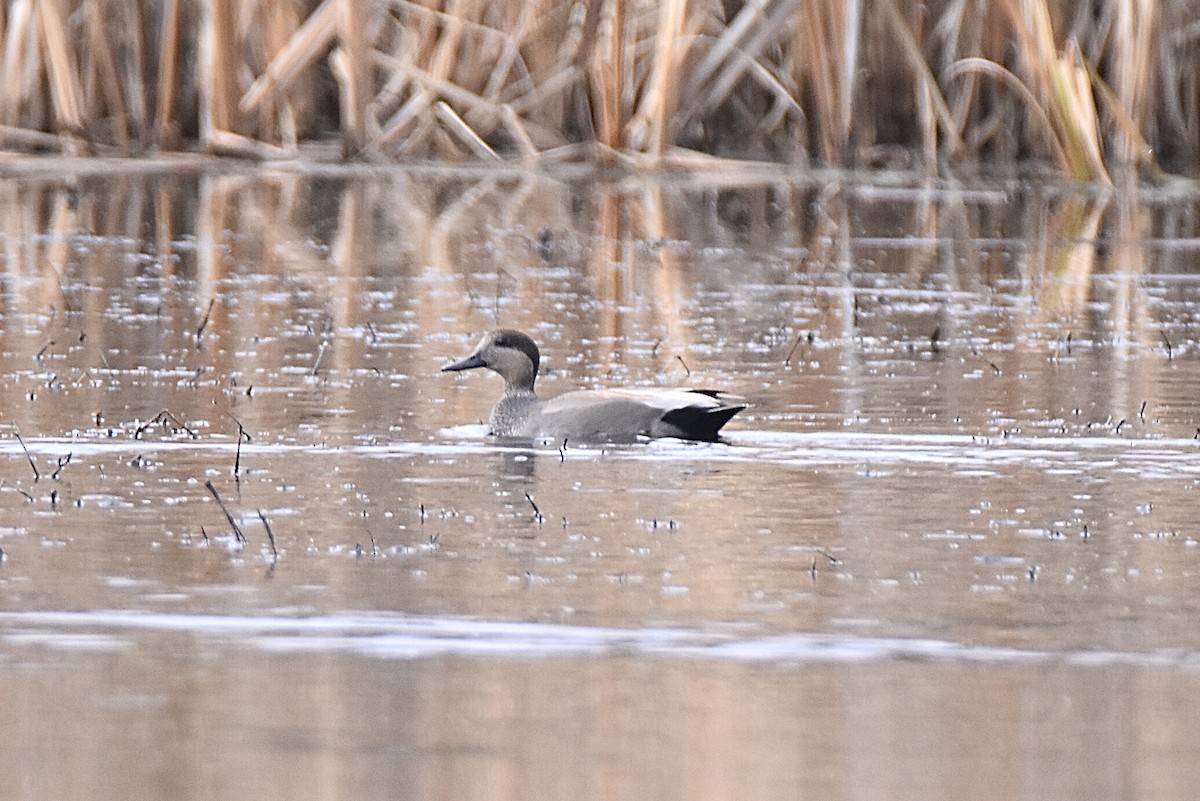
x,y
36,475
237,531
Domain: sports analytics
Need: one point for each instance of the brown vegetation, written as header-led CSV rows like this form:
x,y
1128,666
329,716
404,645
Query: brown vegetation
x,y
1090,87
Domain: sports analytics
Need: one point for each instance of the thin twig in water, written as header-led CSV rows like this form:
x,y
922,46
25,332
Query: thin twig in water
x,y
1142,412
317,361
63,461
62,291
237,531
685,367
165,416
38,356
270,534
537,513
242,435
204,322
934,338
36,475
788,361
833,560
562,451
18,489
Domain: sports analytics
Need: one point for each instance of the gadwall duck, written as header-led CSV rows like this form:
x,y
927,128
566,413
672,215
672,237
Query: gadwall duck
x,y
595,415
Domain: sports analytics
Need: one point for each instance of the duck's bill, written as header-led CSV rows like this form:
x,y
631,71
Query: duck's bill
x,y
469,363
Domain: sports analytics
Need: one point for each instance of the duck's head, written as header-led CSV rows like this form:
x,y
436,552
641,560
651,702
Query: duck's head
x,y
510,353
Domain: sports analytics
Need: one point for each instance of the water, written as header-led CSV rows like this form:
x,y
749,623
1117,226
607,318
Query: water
x,y
950,550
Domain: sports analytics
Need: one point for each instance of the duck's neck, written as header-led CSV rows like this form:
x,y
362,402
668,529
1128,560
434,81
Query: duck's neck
x,y
517,412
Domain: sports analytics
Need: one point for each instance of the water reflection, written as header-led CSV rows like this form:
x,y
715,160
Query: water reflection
x,y
973,424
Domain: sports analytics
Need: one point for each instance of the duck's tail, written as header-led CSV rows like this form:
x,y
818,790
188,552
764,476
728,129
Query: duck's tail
x,y
701,421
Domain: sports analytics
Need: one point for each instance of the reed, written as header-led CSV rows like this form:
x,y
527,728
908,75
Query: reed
x,y
1091,88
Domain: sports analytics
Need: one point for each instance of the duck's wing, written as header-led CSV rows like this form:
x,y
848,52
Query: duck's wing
x,y
689,413
625,414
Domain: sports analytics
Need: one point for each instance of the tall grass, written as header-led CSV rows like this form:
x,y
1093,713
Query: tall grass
x,y
1091,87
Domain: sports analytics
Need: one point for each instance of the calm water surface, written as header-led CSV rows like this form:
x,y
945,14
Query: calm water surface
x,y
950,551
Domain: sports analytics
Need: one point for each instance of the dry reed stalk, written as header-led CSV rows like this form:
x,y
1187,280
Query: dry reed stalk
x,y
109,97
166,132
17,41
648,131
27,137
738,53
276,24
354,71
463,132
1061,86
1133,43
518,132
310,42
931,92
1137,150
509,41
832,83
228,143
445,48
973,65
218,66
606,72
133,83
60,64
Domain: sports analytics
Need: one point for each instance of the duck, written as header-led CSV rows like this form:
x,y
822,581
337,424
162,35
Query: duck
x,y
619,415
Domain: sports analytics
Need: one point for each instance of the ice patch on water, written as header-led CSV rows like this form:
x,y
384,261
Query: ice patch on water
x,y
390,636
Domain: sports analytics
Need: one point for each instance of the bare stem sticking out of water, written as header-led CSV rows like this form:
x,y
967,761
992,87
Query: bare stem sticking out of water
x,y
36,474
787,362
1142,412
204,322
237,531
317,361
995,367
38,357
67,307
1119,425
833,560
242,436
686,369
1167,341
63,461
934,339
537,513
270,534
562,451
165,416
